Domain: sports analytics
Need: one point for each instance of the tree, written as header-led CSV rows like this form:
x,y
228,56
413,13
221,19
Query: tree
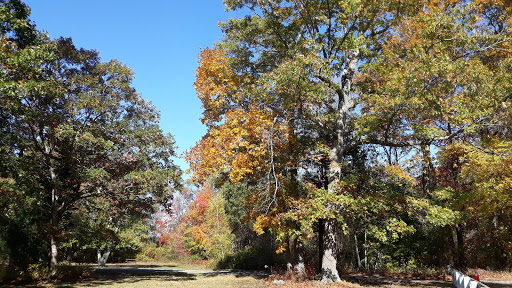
x,y
424,73
300,58
454,58
106,225
78,131
209,235
247,141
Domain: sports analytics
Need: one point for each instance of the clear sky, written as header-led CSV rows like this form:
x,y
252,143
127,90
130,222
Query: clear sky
x,y
158,39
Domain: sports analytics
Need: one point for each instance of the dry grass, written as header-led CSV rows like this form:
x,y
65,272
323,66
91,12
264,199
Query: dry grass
x,y
503,275
186,280
181,281
196,265
223,281
156,275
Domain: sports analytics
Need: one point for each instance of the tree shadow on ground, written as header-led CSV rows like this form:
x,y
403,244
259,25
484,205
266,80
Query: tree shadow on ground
x,y
239,273
110,276
143,273
122,265
132,274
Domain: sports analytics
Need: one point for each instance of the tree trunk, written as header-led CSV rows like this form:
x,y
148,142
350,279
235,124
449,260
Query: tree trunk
x,y
327,227
54,223
53,255
321,232
289,254
102,259
69,254
357,252
54,209
326,232
328,271
300,267
461,259
454,248
337,152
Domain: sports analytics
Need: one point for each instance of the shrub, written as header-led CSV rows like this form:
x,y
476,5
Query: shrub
x,y
159,254
250,258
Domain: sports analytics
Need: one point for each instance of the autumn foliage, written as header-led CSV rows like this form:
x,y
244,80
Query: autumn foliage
x,y
364,134
382,117
208,234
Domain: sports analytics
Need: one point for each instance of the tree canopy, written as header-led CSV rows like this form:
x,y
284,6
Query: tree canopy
x,y
74,132
383,126
336,112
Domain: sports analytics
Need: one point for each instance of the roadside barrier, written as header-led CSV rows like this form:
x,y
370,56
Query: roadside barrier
x,y
460,280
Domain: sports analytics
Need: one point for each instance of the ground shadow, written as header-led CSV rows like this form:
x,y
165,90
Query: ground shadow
x,y
497,283
142,265
128,275
238,273
116,273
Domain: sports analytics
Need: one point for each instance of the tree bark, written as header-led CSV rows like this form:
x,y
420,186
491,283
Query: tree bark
x,y
327,231
300,266
53,240
289,254
54,222
321,232
53,255
461,259
69,254
365,252
357,252
329,271
102,258
336,156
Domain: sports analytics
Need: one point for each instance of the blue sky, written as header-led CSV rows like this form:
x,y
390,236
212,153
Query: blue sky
x,y
158,39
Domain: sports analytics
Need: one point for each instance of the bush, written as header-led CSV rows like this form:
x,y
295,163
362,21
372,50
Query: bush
x,y
8,273
159,254
251,258
282,273
244,259
72,273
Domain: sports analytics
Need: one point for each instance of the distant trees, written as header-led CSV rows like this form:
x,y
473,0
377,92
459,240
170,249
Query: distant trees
x,y
75,134
441,85
208,234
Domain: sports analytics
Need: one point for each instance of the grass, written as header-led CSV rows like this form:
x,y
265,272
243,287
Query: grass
x,y
176,274
184,280
169,274
202,281
165,265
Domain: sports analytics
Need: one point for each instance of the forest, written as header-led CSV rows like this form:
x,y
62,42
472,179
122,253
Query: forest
x,y
354,134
